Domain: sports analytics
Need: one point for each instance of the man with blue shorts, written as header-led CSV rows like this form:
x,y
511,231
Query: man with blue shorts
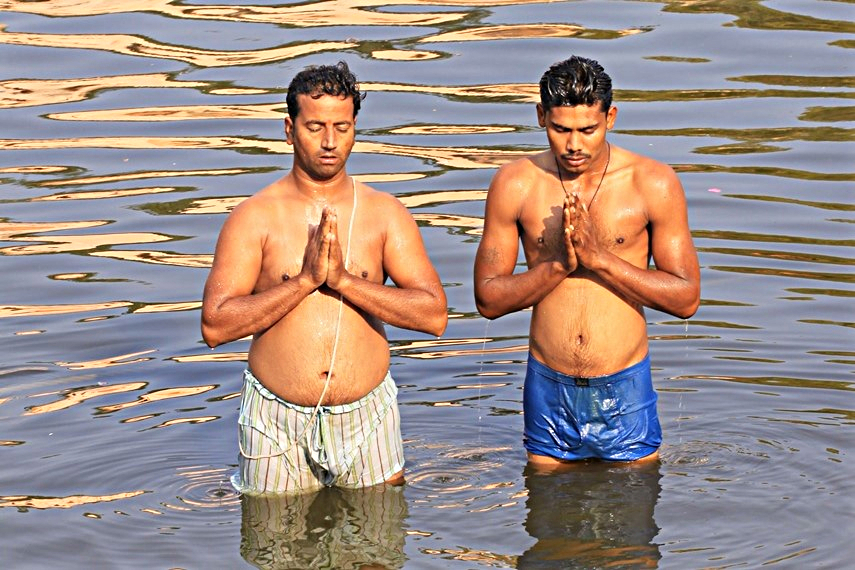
x,y
590,216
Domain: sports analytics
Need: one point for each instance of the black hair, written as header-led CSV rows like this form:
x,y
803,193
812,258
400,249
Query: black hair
x,y
316,80
575,81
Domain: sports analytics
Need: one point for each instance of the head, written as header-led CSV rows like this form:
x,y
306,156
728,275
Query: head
x,y
576,109
318,80
321,124
576,81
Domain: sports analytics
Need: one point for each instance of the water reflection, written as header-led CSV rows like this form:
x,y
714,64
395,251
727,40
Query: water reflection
x,y
596,516
333,528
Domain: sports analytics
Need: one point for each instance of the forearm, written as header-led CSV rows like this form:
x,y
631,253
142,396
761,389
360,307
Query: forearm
x,y
502,294
238,317
422,310
659,290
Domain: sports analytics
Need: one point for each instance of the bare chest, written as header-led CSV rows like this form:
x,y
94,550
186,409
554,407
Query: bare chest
x,y
618,220
284,255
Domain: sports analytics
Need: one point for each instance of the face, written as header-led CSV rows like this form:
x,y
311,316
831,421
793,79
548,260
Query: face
x,y
577,134
322,135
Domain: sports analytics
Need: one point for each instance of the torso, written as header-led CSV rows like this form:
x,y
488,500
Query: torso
x,y
583,327
292,358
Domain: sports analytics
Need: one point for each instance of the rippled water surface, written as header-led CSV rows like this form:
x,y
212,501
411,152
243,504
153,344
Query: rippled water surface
x,y
130,129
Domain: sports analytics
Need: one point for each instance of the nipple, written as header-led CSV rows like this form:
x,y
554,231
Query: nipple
x,y
285,277
365,275
620,240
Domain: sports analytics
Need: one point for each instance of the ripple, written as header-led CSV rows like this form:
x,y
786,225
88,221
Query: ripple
x,y
204,487
456,470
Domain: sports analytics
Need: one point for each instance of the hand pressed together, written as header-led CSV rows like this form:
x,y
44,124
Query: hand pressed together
x,y
323,262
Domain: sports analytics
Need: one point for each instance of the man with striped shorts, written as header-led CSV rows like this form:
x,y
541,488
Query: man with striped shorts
x,y
301,266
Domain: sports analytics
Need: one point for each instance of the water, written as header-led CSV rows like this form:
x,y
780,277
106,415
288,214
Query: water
x,y
129,129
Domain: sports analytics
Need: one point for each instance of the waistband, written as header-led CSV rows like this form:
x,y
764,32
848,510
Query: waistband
x,y
386,387
543,370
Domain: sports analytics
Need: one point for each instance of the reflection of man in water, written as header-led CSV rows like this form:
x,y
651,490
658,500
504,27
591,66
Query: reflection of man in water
x,y
301,266
595,516
335,528
590,216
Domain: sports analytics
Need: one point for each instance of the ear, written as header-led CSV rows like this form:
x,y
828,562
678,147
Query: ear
x,y
289,130
541,115
610,117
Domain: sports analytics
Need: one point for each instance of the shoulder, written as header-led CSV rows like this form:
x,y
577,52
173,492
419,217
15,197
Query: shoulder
x,y
252,215
378,202
654,179
514,181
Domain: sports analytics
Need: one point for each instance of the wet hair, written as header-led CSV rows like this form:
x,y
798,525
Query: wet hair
x,y
316,80
575,81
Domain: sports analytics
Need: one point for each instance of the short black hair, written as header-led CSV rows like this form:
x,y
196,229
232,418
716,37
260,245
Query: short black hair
x,y
575,81
316,80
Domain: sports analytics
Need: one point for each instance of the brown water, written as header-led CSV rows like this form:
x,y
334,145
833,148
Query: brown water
x,y
129,130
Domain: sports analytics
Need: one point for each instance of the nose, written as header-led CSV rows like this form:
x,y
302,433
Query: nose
x,y
574,141
329,139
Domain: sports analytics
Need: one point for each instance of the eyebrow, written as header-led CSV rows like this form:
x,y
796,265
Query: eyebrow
x,y
558,125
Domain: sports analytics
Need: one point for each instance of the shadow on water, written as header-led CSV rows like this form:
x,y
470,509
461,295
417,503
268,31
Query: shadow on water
x,y
596,515
346,529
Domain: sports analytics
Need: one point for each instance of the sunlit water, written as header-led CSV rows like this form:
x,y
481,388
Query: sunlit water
x,y
130,129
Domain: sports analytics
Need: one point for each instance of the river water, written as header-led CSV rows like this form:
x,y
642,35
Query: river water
x,y
130,129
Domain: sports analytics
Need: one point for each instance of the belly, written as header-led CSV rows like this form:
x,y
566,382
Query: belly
x,y
294,358
584,329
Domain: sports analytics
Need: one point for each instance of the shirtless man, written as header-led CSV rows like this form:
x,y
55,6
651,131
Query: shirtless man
x,y
590,216
301,266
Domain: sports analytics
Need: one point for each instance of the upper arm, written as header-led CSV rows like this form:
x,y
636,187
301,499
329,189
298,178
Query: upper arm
x,y
237,258
405,259
670,241
499,246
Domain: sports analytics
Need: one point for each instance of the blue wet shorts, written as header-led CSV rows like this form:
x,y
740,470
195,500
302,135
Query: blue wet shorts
x,y
605,417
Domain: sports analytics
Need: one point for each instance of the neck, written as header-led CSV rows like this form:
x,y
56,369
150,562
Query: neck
x,y
321,190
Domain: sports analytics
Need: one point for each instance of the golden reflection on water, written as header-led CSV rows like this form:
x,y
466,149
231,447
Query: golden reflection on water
x,y
404,55
158,257
451,130
119,360
451,157
78,244
178,113
444,197
33,169
324,13
30,502
45,310
169,307
179,421
79,396
159,395
213,357
528,32
104,194
140,46
32,92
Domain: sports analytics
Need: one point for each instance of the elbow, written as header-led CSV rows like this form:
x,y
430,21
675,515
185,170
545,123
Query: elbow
x,y
438,325
487,313
210,336
688,309
486,309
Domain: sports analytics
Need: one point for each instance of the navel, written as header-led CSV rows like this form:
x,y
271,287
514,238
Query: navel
x,y
580,340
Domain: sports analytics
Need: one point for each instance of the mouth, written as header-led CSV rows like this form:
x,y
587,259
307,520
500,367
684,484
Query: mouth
x,y
575,160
